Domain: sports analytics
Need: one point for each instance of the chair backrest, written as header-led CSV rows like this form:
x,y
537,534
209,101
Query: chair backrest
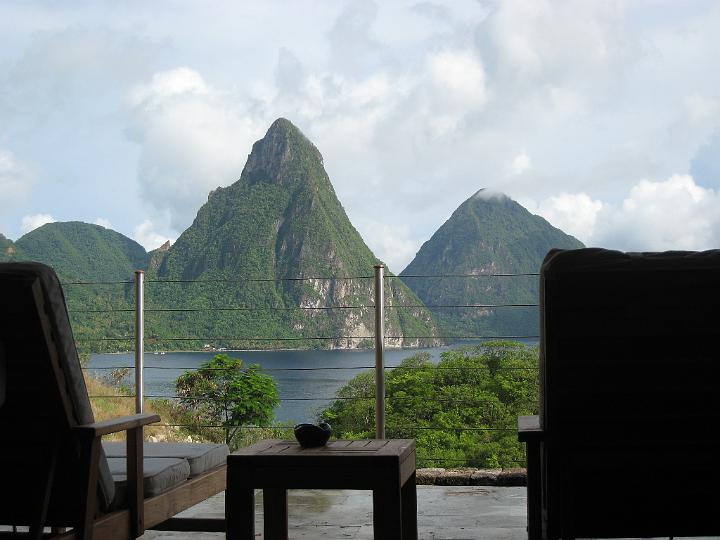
x,y
45,397
629,389
2,375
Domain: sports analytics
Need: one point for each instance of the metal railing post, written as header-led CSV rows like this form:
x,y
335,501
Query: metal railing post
x,y
379,352
139,339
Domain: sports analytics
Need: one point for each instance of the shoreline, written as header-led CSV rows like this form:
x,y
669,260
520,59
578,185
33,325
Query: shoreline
x,y
303,349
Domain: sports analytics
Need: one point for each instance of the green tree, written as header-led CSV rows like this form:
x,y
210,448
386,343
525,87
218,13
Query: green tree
x,y
462,411
223,391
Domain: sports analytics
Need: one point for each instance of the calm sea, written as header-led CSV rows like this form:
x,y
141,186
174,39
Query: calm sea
x,y
303,392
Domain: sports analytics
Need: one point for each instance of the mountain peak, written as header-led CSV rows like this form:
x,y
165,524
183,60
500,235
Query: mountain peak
x,y
486,194
282,146
282,126
488,234
282,219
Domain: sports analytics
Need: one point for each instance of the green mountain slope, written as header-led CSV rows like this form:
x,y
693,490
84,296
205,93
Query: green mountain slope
x,y
8,250
265,247
83,252
488,234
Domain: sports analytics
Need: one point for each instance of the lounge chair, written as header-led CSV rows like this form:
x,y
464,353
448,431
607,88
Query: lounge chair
x,y
2,376
626,442
54,471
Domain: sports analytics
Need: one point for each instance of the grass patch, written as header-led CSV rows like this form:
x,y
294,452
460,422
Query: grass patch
x,y
111,401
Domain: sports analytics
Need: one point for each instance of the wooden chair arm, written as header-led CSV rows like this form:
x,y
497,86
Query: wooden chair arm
x,y
121,423
92,433
529,429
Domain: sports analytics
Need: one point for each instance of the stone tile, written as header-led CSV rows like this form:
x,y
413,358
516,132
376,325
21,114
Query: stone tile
x,y
444,513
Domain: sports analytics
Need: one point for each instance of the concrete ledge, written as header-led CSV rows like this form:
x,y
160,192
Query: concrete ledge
x,y
466,476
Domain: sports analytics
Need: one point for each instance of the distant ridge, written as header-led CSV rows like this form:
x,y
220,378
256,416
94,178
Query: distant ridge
x,y
82,251
487,234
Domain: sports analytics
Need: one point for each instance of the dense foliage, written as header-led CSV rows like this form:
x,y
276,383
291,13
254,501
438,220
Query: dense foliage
x,y
79,253
487,234
84,252
225,393
461,411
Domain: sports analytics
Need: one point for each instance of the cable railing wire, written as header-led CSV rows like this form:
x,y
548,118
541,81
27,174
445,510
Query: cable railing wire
x,y
328,368
64,283
303,308
443,306
446,401
258,280
412,427
312,278
214,309
212,339
499,274
320,338
399,428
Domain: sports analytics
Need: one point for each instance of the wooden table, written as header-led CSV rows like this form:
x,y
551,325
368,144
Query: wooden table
x,y
387,467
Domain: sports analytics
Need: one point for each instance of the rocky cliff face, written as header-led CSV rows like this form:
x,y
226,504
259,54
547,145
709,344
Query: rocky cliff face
x,y
279,242
7,249
488,234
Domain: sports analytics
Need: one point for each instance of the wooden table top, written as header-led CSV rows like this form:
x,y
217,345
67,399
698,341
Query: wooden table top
x,y
274,450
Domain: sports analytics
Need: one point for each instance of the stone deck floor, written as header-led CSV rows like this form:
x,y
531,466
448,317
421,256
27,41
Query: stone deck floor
x,y
444,513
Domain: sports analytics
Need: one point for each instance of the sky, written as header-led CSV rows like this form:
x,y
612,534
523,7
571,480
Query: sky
x,y
602,116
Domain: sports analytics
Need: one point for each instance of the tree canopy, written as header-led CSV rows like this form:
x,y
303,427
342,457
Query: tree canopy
x,y
461,411
225,393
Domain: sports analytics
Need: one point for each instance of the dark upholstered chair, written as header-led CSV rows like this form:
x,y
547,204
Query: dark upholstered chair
x,y
3,375
626,442
55,472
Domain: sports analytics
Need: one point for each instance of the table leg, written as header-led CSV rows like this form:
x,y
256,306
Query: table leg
x,y
534,493
275,507
387,511
409,509
239,512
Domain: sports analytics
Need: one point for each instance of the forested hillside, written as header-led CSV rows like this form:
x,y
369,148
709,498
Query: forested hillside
x,y
264,248
81,254
489,235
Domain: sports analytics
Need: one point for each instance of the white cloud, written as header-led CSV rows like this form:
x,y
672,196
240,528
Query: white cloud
x,y
456,88
353,47
146,235
412,113
15,179
458,78
573,213
535,39
193,139
167,84
486,194
521,164
674,214
103,223
701,108
390,244
30,223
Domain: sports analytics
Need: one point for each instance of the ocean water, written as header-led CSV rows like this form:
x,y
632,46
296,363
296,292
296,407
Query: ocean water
x,y
307,380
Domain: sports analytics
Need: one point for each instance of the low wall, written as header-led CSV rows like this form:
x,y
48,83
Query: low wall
x,y
471,477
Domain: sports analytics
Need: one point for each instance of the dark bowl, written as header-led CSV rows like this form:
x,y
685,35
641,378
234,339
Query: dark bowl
x,y
312,436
